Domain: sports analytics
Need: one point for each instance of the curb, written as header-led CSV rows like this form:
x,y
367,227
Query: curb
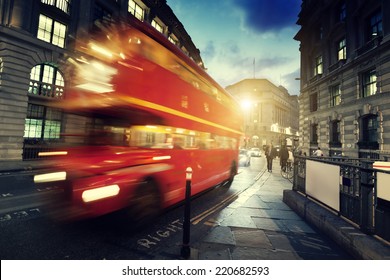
x,y
347,236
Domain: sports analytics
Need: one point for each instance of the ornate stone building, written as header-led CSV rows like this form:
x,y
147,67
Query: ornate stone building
x,y
345,77
270,112
35,36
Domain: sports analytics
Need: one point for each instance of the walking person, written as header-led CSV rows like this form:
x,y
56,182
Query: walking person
x,y
283,154
318,153
270,153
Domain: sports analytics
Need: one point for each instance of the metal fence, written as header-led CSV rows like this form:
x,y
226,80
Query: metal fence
x,y
363,195
31,151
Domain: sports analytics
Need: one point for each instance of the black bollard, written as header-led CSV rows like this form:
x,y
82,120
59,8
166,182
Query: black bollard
x,y
185,249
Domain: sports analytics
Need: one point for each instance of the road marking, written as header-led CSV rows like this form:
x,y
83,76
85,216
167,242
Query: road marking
x,y
152,240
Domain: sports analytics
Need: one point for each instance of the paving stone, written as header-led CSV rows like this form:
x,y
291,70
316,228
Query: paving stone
x,y
251,238
298,226
256,202
239,221
269,224
214,251
221,235
246,253
279,214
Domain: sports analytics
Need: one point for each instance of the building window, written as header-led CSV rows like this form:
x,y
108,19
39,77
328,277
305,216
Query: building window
x,y
342,50
375,26
136,10
342,11
319,66
335,95
369,132
313,102
42,124
335,134
158,26
63,5
313,134
173,40
46,81
51,31
369,83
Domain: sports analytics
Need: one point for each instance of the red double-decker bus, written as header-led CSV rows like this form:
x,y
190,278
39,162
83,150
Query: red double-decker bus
x,y
138,114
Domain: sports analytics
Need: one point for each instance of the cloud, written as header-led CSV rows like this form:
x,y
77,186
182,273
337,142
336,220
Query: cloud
x,y
209,50
271,62
291,81
269,15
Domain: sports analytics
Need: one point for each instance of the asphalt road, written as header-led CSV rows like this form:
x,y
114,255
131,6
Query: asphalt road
x,y
28,233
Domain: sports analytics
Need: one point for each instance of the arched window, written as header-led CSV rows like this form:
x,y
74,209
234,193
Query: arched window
x,y
46,81
43,124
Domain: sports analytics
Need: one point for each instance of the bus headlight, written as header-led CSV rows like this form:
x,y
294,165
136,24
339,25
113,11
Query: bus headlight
x,y
99,193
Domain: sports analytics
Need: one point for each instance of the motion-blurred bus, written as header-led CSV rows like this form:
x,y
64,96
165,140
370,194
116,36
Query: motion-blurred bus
x,y
138,114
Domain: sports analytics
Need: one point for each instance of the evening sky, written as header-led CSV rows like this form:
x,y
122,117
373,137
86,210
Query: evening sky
x,y
244,39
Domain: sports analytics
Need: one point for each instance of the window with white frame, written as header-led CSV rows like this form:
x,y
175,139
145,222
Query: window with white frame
x,y
63,5
318,66
369,83
375,26
335,95
46,81
51,31
172,39
342,49
136,10
42,124
158,26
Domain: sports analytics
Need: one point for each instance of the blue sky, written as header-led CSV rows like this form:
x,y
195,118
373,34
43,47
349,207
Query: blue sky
x,y
233,34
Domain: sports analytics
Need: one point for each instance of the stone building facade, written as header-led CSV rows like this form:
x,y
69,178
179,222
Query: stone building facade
x,y
345,77
35,36
270,112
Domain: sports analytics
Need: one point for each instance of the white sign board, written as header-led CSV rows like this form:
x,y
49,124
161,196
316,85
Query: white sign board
x,y
323,183
383,185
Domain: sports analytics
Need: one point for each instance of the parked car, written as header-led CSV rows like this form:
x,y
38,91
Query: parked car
x,y
244,158
255,152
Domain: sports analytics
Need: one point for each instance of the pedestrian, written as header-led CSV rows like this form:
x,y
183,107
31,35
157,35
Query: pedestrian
x,y
270,153
283,154
290,156
318,153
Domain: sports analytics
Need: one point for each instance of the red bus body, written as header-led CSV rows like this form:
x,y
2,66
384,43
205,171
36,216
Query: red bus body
x,y
141,83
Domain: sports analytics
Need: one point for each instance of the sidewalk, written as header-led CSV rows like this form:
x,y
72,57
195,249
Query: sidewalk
x,y
259,225
18,165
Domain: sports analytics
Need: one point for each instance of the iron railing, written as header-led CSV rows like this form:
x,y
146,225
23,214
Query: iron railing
x,y
358,199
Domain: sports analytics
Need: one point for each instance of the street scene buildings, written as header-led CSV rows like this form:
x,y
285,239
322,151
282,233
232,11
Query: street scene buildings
x,y
35,37
345,78
270,113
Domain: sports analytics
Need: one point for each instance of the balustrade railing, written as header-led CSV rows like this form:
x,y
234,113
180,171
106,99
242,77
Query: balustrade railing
x,y
363,191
